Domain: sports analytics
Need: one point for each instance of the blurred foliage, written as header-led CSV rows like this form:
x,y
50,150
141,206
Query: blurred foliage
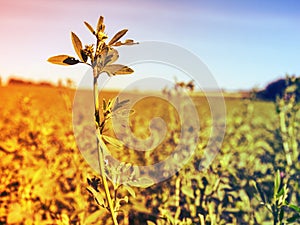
x,y
44,177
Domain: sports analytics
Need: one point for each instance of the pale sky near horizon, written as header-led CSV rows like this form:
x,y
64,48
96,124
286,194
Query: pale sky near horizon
x,y
244,43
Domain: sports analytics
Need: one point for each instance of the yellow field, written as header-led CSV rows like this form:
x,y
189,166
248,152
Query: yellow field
x,y
44,175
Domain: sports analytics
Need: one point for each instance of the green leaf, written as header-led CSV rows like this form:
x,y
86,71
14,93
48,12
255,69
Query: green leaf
x,y
117,36
90,27
188,191
277,182
117,69
281,214
280,193
64,60
291,89
293,219
77,46
260,191
130,190
294,207
149,222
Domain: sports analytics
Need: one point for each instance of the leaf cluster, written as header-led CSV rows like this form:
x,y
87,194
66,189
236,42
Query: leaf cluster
x,y
102,55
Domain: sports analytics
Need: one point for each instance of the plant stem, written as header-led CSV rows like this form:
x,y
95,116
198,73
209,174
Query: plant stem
x,y
284,134
101,146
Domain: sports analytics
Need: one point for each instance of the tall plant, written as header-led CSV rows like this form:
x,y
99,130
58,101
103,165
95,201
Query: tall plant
x,y
101,57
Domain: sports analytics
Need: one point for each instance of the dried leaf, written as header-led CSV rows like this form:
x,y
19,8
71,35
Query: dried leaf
x,y
100,25
90,27
71,61
120,104
107,56
84,56
125,113
117,36
64,60
111,56
77,46
117,69
104,105
127,42
113,141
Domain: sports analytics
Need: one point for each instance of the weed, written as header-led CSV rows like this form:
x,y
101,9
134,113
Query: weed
x,y
101,57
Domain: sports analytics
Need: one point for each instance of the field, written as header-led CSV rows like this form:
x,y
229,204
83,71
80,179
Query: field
x,y
44,175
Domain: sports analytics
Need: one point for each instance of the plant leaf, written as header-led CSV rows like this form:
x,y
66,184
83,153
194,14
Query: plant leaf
x,y
293,219
111,56
188,191
71,61
100,25
117,69
117,36
120,104
106,57
294,207
90,27
142,182
260,191
104,105
127,42
276,182
98,197
84,56
77,46
130,190
113,141
64,60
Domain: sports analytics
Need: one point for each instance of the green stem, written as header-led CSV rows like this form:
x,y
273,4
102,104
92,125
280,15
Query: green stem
x,y
284,134
101,147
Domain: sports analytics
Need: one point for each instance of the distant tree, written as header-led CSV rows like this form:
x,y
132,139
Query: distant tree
x,y
278,87
16,81
59,83
44,83
70,83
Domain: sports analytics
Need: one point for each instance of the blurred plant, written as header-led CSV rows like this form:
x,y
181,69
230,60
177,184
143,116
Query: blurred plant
x,y
287,109
278,203
101,57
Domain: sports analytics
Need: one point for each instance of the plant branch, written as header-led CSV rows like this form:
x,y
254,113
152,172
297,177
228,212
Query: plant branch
x,y
101,147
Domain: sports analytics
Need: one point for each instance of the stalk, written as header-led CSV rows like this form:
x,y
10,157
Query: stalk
x,y
100,147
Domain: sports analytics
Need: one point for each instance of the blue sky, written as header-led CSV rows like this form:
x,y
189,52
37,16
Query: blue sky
x,y
245,44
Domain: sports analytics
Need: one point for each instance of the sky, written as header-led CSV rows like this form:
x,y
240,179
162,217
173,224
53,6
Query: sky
x,y
244,44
